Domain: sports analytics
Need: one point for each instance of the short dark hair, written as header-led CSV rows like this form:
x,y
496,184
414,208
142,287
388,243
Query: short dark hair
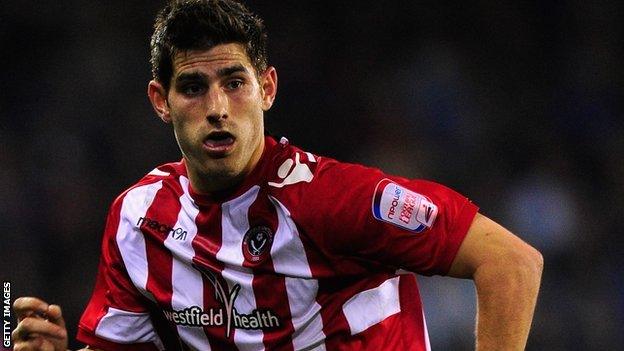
x,y
203,24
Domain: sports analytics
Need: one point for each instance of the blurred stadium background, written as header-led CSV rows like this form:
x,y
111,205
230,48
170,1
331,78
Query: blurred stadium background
x,y
515,104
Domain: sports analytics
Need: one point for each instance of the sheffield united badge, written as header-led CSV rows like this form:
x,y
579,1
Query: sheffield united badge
x,y
257,244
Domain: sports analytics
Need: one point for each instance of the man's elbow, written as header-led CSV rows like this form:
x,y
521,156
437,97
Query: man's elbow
x,y
536,260
516,268
523,265
533,261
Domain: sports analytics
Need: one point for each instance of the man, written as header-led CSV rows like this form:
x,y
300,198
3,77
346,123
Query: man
x,y
251,243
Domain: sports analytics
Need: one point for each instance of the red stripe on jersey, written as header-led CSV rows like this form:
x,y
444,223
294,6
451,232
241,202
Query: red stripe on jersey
x,y
98,306
263,213
206,244
412,316
159,218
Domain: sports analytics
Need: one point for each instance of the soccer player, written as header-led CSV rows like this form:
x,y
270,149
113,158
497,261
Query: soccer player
x,y
251,243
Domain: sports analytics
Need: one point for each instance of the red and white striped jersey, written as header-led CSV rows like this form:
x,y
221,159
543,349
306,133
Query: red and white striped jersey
x,y
307,254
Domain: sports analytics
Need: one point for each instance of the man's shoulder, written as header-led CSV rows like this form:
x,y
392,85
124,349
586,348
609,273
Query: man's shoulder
x,y
289,165
164,176
167,171
294,170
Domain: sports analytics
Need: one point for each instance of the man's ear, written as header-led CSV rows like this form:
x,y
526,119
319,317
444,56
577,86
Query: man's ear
x,y
158,97
268,82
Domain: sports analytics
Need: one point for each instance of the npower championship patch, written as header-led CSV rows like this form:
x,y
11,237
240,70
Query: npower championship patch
x,y
402,207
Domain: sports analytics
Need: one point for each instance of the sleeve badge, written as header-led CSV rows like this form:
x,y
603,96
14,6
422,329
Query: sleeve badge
x,y
402,207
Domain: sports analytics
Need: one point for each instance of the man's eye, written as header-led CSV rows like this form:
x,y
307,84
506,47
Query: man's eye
x,y
234,84
193,89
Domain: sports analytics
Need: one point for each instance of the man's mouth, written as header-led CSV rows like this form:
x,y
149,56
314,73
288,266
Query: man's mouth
x,y
218,143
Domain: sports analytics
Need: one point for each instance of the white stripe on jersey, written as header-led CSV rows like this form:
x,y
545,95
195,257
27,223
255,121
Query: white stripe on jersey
x,y
186,282
234,225
427,344
306,314
372,306
310,157
158,172
129,237
289,258
127,328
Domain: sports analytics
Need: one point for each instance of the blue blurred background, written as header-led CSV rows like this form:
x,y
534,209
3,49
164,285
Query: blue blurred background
x,y
517,105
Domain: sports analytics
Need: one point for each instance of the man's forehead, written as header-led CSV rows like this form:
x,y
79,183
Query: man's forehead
x,y
211,59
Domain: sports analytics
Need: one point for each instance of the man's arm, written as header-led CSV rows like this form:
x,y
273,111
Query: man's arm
x,y
507,274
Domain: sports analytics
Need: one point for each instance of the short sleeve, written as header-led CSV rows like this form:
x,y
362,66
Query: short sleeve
x,y
398,223
116,317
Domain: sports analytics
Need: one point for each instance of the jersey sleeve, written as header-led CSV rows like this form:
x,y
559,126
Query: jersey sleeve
x,y
116,317
366,215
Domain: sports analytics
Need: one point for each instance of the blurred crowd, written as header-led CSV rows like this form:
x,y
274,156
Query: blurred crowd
x,y
517,105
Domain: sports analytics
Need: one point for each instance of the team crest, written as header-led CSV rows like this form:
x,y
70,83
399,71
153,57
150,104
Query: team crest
x,y
257,244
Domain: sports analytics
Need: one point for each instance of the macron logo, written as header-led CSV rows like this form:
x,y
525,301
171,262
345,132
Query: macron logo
x,y
293,172
176,233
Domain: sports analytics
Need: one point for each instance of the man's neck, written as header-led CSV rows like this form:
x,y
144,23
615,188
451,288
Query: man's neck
x,y
207,184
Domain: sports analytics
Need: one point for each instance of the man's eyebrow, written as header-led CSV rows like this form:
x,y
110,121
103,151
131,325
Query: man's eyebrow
x,y
226,71
191,76
199,76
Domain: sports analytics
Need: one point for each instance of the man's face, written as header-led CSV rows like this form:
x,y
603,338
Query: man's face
x,y
216,103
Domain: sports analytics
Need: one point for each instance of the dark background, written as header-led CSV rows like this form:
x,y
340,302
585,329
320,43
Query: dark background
x,y
515,104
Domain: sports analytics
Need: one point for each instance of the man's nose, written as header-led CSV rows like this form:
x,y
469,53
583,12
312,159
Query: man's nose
x,y
217,105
